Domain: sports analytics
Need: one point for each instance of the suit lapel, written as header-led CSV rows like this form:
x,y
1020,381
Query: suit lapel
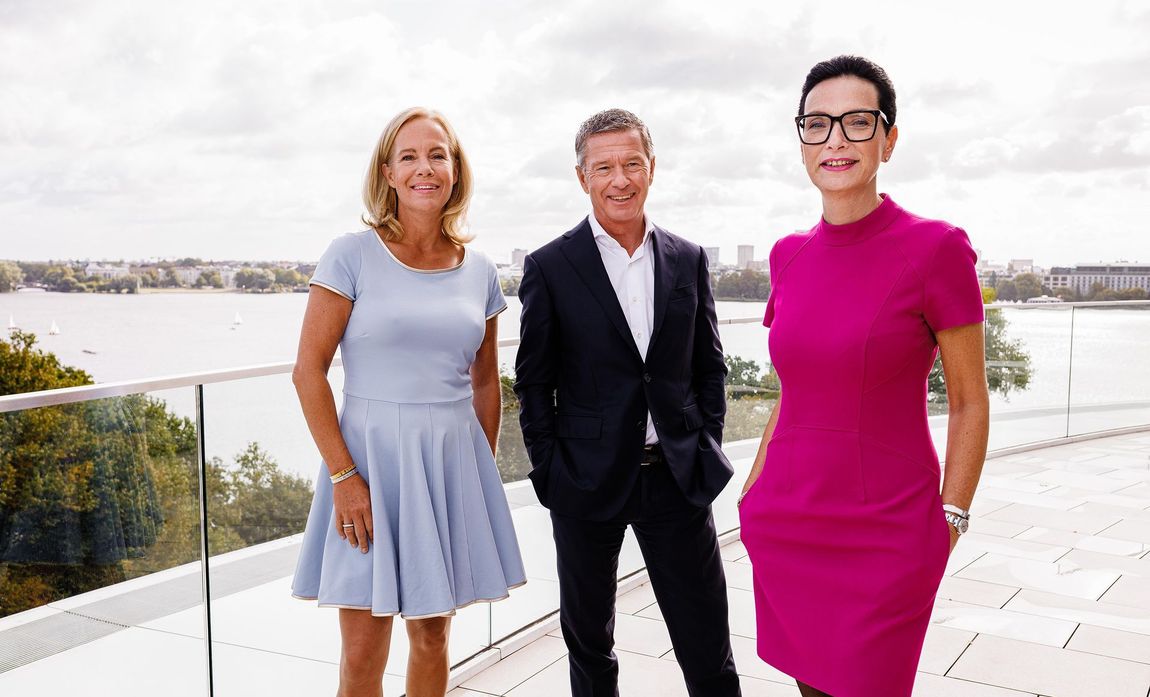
x,y
666,259
584,256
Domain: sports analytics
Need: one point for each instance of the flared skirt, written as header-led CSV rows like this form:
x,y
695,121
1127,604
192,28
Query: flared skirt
x,y
443,533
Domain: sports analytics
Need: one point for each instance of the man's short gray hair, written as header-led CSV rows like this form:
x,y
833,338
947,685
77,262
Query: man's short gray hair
x,y
612,121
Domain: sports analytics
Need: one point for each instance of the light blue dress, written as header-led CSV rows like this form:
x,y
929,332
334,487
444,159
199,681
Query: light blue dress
x,y
443,531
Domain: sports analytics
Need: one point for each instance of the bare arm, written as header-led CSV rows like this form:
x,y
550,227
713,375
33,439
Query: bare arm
x,y
323,326
964,367
761,456
488,399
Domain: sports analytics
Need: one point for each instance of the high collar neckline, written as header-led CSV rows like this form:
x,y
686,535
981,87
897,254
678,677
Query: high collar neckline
x,y
862,229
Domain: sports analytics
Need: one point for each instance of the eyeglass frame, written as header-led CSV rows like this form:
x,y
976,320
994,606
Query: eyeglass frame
x,y
877,113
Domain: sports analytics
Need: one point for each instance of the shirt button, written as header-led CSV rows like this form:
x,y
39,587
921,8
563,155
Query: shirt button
x,y
646,377
641,425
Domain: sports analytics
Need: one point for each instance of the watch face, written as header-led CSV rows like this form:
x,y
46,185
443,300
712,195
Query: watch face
x,y
960,524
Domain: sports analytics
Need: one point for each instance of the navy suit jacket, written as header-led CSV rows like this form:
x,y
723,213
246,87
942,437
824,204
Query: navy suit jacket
x,y
584,389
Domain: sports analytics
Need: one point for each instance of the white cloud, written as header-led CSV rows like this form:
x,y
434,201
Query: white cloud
x,y
221,130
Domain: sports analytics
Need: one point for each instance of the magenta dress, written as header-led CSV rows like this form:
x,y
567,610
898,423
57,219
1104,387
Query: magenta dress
x,y
845,527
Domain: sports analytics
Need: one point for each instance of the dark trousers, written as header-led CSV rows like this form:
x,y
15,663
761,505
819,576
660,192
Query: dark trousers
x,y
681,551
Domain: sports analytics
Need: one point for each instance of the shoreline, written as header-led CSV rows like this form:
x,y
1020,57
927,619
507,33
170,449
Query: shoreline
x,y
189,291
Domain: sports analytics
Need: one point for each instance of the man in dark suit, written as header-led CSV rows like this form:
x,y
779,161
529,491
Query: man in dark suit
x,y
620,379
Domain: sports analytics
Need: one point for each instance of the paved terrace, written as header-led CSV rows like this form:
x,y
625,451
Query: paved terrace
x,y
1048,595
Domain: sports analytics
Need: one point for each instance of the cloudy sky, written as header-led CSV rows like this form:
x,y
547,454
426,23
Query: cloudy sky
x,y
229,130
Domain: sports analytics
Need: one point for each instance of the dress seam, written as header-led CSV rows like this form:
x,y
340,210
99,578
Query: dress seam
x,y
421,403
866,345
865,364
790,259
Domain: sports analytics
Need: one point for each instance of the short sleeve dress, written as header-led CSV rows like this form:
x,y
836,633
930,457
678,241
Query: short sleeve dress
x,y
845,527
443,534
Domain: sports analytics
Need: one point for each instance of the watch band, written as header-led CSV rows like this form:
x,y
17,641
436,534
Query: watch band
x,y
960,524
960,512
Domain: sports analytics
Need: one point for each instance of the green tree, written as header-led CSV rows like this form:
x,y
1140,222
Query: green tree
x,y
121,284
259,502
76,496
1095,292
989,295
1008,366
741,371
150,279
742,285
288,278
1028,286
255,279
33,271
11,276
210,278
62,279
1006,291
101,491
744,379
512,459
170,279
510,286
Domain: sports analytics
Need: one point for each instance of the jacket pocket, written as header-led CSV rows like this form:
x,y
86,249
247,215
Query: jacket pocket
x,y
686,291
692,417
589,427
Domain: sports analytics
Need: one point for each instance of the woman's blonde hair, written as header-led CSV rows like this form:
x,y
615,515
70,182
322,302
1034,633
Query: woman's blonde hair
x,y
381,200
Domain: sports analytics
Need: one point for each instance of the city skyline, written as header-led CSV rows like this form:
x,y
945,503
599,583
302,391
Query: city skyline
x,y
242,134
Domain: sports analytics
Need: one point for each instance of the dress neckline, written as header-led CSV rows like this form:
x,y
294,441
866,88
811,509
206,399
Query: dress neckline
x,y
394,258
862,229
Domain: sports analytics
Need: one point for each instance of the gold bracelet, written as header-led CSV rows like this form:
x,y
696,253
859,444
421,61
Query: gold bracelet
x,y
342,474
347,475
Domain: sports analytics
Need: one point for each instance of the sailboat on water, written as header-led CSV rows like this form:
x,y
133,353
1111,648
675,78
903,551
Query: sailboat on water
x,y
54,329
237,319
12,323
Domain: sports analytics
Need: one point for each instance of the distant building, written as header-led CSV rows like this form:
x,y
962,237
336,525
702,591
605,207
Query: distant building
x,y
712,256
1113,276
228,273
106,272
746,255
1017,266
188,275
518,256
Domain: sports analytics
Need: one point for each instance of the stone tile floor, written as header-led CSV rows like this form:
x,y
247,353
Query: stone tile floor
x,y
1048,595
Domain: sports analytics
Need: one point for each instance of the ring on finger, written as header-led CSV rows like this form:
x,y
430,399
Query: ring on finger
x,y
347,525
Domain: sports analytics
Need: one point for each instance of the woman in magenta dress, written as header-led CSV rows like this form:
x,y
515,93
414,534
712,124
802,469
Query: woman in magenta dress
x,y
842,513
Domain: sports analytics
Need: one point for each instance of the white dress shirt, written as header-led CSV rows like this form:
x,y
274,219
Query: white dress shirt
x,y
633,278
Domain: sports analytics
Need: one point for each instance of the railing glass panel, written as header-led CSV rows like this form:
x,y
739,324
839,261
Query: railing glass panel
x,y
100,507
1109,373
1027,369
100,545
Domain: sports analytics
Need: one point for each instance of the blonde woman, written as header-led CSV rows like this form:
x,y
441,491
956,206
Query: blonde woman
x,y
409,516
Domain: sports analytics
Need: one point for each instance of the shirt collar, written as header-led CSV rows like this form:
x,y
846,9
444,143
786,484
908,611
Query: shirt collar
x,y
600,233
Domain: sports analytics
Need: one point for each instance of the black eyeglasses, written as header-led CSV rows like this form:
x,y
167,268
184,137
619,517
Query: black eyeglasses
x,y
857,126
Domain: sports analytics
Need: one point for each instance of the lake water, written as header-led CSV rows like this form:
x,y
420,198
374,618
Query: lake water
x,y
146,336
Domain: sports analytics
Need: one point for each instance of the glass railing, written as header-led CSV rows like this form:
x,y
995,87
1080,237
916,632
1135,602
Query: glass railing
x,y
124,505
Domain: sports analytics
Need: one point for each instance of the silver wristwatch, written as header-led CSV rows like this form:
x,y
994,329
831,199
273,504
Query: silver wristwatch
x,y
959,518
